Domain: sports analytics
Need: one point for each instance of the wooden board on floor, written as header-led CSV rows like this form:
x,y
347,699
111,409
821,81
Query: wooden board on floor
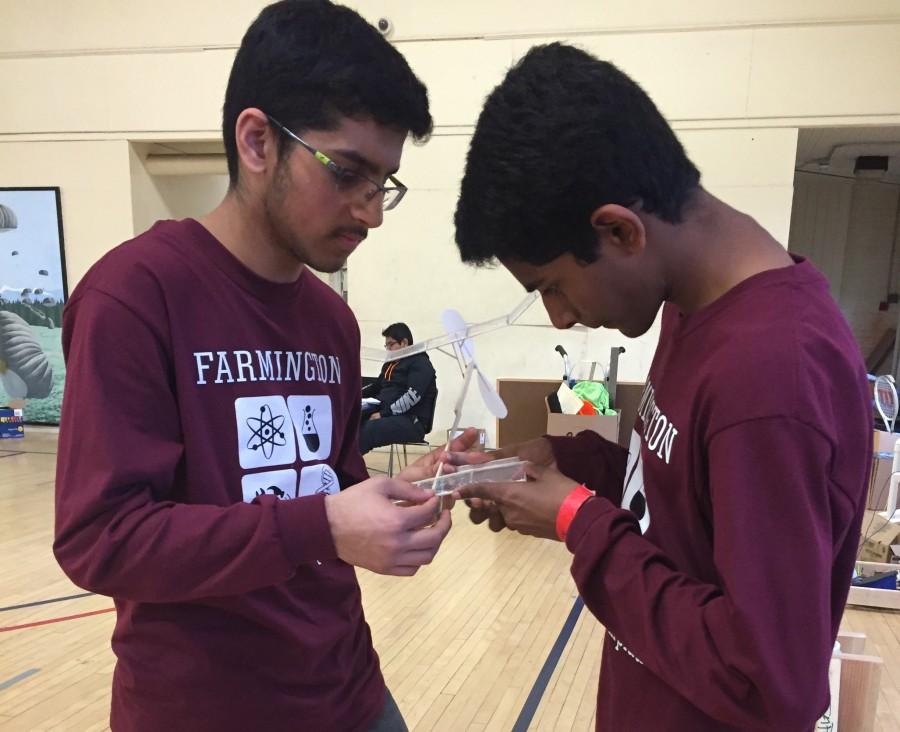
x,y
860,679
461,643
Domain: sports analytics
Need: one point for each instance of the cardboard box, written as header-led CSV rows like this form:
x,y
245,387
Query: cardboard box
x,y
880,477
572,424
877,547
12,423
879,483
884,441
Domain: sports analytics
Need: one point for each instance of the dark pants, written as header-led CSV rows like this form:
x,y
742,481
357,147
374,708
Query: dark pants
x,y
388,430
391,720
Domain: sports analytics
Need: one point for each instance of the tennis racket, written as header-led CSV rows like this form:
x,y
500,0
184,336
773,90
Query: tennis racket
x,y
886,400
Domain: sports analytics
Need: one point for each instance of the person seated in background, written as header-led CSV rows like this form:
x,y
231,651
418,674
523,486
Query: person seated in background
x,y
407,391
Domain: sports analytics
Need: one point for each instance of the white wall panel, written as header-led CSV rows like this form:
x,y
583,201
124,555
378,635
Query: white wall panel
x,y
42,25
95,192
829,70
821,215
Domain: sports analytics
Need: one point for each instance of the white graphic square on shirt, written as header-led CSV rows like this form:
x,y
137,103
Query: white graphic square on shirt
x,y
265,433
318,479
312,423
279,483
634,494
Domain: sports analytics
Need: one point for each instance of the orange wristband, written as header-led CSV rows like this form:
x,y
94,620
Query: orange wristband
x,y
569,508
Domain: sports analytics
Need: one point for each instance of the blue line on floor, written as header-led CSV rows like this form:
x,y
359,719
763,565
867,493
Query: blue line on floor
x,y
16,679
46,602
540,684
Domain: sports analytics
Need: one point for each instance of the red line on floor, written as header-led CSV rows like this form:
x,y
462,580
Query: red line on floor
x,y
56,620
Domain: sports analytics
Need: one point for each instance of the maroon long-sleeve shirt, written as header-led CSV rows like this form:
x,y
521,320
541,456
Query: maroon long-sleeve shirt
x,y
207,413
719,550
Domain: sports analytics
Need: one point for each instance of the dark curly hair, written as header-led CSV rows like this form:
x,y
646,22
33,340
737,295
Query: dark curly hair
x,y
563,134
308,63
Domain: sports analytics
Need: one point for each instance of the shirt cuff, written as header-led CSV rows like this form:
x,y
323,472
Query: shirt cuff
x,y
305,531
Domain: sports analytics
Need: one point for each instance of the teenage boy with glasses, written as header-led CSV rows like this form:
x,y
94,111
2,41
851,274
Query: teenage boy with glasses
x,y
209,478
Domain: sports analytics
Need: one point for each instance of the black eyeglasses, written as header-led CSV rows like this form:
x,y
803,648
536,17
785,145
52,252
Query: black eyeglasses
x,y
350,182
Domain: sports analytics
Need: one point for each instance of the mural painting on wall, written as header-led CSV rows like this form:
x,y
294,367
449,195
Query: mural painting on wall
x,y
32,294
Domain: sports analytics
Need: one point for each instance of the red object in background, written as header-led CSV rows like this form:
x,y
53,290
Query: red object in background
x,y
587,408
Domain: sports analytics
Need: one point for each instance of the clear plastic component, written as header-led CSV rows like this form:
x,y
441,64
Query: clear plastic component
x,y
497,471
475,329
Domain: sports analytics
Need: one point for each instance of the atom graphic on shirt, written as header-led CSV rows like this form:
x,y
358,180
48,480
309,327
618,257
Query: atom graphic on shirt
x,y
266,431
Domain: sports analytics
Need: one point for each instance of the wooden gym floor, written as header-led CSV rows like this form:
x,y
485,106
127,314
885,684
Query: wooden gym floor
x,y
462,644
